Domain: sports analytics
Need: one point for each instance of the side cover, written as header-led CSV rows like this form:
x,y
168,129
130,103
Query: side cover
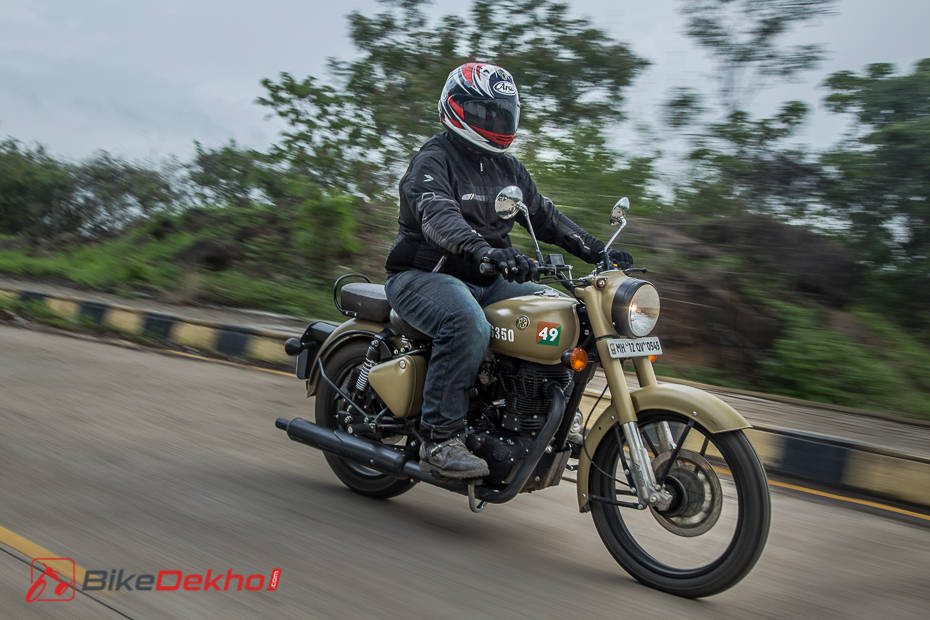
x,y
399,383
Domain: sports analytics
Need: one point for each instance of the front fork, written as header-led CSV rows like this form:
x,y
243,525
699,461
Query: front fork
x,y
648,490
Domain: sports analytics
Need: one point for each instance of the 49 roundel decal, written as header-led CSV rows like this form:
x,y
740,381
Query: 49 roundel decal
x,y
548,333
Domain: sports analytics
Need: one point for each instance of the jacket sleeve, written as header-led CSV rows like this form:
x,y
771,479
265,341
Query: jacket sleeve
x,y
427,188
553,226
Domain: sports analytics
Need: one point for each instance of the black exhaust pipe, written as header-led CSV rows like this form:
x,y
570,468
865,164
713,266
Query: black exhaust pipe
x,y
340,443
395,462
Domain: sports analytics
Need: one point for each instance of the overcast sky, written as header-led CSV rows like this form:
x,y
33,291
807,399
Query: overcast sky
x,y
145,79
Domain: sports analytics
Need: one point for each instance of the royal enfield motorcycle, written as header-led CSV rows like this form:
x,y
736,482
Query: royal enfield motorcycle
x,y
676,490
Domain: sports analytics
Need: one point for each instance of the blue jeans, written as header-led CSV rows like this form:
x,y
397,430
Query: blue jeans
x,y
449,311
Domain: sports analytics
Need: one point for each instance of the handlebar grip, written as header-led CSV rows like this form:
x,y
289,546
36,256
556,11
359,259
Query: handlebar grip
x,y
486,269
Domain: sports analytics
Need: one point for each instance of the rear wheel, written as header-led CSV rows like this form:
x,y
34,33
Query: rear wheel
x,y
714,531
330,407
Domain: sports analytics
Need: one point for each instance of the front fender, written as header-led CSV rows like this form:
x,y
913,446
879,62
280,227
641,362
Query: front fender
x,y
705,409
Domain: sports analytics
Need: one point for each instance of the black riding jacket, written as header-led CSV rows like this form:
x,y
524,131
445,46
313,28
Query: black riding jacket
x,y
447,210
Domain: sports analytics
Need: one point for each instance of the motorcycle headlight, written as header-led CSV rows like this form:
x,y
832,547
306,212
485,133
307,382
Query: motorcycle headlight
x,y
635,309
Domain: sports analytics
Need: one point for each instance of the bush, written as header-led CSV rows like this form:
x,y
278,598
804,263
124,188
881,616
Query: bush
x,y
42,198
809,361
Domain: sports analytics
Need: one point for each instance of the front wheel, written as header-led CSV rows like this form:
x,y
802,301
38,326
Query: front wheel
x,y
713,532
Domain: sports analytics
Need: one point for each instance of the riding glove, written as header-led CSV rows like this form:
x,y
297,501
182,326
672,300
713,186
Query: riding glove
x,y
512,264
623,260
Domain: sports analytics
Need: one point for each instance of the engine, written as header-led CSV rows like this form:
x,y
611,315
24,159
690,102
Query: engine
x,y
523,385
504,431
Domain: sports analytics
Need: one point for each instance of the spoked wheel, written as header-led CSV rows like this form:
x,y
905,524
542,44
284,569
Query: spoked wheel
x,y
713,532
330,407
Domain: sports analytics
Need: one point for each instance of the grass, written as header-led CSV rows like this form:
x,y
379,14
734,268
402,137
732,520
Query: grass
x,y
307,299
110,266
140,262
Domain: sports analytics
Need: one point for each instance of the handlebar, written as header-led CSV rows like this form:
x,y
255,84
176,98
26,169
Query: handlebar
x,y
486,269
544,269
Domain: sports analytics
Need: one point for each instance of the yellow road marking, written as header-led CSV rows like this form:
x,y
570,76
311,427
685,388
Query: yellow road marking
x,y
32,551
851,500
841,498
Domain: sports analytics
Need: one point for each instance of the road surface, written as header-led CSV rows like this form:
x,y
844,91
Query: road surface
x,y
130,459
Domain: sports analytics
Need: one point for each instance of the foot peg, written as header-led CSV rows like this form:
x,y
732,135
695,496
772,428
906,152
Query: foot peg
x,y
473,504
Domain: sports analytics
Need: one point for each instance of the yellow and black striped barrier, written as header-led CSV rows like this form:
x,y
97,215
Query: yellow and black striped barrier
x,y
818,459
228,340
830,461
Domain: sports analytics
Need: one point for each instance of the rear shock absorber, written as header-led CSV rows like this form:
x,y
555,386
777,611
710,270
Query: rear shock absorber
x,y
372,357
361,384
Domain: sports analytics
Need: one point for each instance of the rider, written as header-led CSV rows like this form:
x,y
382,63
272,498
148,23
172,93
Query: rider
x,y
448,226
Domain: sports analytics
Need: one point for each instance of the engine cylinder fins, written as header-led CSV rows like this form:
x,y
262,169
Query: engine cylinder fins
x,y
524,385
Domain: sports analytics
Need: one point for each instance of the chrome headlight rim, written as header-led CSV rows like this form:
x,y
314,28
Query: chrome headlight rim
x,y
621,310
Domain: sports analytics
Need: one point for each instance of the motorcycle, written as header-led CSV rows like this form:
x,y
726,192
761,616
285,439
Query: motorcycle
x,y
677,493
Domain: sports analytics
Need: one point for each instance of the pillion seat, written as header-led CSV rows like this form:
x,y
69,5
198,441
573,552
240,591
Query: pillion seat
x,y
369,302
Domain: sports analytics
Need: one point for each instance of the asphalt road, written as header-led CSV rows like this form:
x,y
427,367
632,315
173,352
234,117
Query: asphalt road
x,y
130,459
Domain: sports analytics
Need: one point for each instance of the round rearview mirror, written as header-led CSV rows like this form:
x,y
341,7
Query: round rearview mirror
x,y
618,213
508,201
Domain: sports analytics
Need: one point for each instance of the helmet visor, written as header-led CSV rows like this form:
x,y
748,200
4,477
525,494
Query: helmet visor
x,y
499,116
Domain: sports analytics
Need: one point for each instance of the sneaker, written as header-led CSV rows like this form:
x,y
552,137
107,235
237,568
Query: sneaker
x,y
451,459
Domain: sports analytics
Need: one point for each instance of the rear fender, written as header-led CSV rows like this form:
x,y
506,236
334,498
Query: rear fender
x,y
351,330
705,409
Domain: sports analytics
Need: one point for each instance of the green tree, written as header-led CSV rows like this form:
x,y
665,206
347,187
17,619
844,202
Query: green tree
x,y
316,211
589,176
230,175
567,70
42,198
745,165
356,134
879,180
739,163
110,193
36,193
745,39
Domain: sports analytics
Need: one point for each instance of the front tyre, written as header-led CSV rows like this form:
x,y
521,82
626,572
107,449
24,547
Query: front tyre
x,y
714,531
340,369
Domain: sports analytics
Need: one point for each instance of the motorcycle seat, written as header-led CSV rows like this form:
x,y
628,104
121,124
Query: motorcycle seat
x,y
404,328
367,300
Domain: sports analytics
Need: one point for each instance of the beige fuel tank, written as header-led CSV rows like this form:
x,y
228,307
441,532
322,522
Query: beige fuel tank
x,y
534,327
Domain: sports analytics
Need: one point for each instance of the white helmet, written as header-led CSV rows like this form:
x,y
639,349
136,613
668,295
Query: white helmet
x,y
480,103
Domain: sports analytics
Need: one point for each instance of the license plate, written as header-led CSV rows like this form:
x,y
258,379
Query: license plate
x,y
633,347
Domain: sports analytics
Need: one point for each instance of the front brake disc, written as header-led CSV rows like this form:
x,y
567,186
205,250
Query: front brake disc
x,y
696,494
